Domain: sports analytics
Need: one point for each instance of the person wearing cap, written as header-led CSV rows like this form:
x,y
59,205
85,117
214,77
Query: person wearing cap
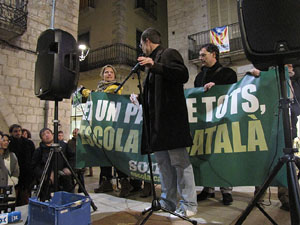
x,y
39,159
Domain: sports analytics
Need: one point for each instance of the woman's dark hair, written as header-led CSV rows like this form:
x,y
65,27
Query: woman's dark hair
x,y
212,49
152,34
27,131
6,135
6,151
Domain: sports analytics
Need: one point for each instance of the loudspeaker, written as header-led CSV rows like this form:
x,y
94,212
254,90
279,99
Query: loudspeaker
x,y
270,31
57,67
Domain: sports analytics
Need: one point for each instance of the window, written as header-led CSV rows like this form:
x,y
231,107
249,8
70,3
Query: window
x,y
86,4
138,39
149,6
84,38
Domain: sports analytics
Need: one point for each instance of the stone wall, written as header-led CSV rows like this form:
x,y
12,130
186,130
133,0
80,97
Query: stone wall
x,y
17,69
186,17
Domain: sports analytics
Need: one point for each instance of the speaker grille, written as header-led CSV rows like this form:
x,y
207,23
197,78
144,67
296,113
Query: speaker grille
x,y
269,23
56,69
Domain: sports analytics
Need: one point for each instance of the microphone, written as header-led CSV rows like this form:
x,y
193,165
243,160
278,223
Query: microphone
x,y
11,217
136,67
133,70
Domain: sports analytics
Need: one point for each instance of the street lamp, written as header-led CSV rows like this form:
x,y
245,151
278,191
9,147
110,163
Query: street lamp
x,y
84,49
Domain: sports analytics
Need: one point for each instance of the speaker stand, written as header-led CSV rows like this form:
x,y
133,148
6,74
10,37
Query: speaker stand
x,y
287,159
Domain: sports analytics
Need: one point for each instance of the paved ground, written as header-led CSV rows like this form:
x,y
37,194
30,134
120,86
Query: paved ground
x,y
211,211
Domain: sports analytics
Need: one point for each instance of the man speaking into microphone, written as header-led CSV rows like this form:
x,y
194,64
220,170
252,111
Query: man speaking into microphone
x,y
167,122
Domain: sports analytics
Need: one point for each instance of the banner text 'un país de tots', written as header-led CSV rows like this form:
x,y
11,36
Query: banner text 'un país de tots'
x,y
237,133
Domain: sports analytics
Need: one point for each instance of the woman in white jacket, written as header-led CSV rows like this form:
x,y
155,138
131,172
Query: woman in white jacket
x,y
9,167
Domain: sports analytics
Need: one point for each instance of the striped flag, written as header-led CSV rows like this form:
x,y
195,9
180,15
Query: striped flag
x,y
219,37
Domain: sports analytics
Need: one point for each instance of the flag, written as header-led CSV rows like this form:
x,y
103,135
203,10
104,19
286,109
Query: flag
x,y
77,97
219,37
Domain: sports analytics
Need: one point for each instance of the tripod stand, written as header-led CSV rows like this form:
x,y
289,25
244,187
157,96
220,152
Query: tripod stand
x,y
287,159
54,151
155,205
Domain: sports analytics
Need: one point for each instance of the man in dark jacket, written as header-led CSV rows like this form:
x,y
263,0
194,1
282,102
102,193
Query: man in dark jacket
x,y
167,122
39,160
213,73
23,148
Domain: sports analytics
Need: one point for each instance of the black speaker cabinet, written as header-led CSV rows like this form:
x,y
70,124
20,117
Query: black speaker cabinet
x,y
270,31
56,68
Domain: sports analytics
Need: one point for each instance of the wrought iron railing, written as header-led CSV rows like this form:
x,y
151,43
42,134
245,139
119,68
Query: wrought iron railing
x,y
149,6
111,54
13,18
86,3
198,39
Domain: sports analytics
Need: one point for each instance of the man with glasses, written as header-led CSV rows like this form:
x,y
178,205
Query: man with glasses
x,y
213,73
167,122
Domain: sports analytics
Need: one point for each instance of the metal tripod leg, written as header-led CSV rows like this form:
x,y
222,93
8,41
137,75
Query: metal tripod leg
x,y
45,172
78,181
293,188
288,158
294,193
155,206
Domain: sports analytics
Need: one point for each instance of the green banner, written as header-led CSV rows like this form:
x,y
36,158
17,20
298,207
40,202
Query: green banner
x,y
237,133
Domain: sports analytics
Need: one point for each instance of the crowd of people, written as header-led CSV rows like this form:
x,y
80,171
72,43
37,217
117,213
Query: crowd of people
x,y
22,165
166,133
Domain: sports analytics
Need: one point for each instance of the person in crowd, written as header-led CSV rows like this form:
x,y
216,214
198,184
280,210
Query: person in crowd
x,y
294,74
213,73
40,156
26,133
72,146
23,149
147,190
167,122
90,172
9,167
108,84
61,136
1,135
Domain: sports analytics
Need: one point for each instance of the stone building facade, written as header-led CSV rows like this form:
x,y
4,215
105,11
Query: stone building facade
x,y
117,24
17,68
188,17
112,30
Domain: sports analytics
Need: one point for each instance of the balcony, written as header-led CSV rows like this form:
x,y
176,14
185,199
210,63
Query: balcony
x,y
13,18
146,8
198,39
111,54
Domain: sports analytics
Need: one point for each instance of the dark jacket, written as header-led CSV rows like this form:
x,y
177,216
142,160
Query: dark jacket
x,y
296,87
23,149
164,102
72,145
41,154
220,76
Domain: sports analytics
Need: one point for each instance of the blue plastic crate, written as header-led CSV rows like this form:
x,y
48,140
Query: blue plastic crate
x,y
63,209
